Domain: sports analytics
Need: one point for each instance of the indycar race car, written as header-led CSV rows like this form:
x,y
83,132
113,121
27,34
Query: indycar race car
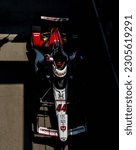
x,y
54,64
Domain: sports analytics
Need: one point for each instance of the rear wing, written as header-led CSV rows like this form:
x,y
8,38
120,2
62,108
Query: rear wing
x,y
56,19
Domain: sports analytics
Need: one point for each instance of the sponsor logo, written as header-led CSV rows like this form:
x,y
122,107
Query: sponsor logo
x,y
61,94
62,121
63,128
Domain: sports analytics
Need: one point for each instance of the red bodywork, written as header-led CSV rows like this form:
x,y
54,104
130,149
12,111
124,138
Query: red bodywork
x,y
54,37
37,40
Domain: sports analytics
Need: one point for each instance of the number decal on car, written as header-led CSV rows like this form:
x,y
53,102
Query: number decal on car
x,y
61,107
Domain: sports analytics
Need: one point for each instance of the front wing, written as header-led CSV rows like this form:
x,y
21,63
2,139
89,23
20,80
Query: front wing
x,y
54,133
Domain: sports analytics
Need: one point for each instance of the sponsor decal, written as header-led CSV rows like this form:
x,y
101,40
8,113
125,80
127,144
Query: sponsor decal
x,y
62,119
61,94
63,128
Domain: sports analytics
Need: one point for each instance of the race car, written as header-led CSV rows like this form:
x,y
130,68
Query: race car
x,y
54,59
